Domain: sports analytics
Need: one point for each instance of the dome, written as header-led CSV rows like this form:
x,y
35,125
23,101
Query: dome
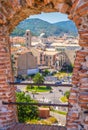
x,y
43,35
28,30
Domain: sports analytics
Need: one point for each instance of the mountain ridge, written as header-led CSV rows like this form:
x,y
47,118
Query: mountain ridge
x,y
38,26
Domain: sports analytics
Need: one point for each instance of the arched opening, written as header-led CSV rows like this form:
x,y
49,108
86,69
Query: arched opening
x,y
14,12
54,54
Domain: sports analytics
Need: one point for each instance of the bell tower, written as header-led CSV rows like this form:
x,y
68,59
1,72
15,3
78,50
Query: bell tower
x,y
28,38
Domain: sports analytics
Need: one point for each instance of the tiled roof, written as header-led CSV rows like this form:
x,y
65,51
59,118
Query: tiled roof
x,y
20,126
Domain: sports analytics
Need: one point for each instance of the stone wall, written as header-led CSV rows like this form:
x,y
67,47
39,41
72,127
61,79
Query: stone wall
x,y
11,13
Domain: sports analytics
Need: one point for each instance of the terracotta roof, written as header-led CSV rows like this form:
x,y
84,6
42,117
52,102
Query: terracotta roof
x,y
20,126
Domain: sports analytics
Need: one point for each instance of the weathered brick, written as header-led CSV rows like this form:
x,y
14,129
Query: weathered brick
x,y
83,7
78,11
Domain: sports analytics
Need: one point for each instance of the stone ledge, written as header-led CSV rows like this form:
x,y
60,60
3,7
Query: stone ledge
x,y
21,126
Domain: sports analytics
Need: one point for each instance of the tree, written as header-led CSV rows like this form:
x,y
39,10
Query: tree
x,y
29,87
67,68
46,72
67,94
27,112
38,79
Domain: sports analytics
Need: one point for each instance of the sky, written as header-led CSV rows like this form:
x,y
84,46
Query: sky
x,y
51,17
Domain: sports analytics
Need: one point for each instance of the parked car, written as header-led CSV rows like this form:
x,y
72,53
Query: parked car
x,y
18,90
58,83
18,80
60,90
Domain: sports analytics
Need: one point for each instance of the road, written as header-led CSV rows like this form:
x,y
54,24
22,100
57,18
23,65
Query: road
x,y
60,118
47,96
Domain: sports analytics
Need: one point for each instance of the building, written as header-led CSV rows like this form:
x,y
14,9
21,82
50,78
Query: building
x,y
44,112
25,64
43,38
68,50
45,57
17,40
50,58
62,59
39,54
28,37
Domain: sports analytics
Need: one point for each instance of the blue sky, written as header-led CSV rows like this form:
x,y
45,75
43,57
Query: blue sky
x,y
51,17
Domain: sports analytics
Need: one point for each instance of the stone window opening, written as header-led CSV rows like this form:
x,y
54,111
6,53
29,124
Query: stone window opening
x,y
9,18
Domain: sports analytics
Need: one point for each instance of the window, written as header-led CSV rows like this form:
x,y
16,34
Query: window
x,y
27,34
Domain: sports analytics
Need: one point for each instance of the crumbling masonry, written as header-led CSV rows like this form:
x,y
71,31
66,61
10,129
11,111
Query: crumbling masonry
x,y
14,11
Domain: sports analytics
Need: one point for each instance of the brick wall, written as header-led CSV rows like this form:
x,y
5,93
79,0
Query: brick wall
x,y
11,13
8,114
77,118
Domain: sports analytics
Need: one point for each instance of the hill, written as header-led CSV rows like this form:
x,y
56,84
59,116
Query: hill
x,y
67,27
38,26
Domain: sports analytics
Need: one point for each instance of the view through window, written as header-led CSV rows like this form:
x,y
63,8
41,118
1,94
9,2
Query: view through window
x,y
43,52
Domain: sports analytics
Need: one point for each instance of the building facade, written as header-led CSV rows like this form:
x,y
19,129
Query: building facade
x,y
25,62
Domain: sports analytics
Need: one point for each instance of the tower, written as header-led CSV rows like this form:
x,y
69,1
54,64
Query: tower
x,y
28,38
